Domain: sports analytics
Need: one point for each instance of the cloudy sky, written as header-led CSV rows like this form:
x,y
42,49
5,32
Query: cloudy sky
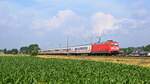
x,y
50,22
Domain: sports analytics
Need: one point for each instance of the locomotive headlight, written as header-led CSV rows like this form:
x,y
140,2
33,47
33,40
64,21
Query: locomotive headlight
x,y
114,48
117,48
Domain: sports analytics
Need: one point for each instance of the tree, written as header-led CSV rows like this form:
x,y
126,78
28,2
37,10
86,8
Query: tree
x,y
33,49
147,48
128,50
14,51
5,51
24,50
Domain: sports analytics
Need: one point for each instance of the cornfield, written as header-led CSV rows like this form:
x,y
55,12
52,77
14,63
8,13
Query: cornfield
x,y
32,70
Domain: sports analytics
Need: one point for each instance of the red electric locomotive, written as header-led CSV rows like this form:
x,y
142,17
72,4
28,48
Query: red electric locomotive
x,y
108,47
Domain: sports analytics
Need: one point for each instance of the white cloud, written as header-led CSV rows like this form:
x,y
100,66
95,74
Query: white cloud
x,y
96,25
71,23
61,18
57,21
103,23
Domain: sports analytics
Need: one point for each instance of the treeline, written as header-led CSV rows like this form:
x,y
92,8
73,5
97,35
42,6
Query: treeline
x,y
129,50
32,50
